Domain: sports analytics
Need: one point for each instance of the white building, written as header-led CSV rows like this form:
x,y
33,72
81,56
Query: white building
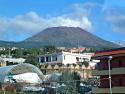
x,y
2,48
5,61
65,58
14,48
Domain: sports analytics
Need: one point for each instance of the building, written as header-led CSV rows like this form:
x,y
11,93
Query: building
x,y
64,58
74,50
5,61
2,48
2,63
117,70
59,62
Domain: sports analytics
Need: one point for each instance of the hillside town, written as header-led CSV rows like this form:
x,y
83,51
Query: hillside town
x,y
62,46
93,72
47,70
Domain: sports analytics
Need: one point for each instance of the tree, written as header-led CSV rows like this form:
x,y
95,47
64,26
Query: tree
x,y
31,59
92,50
106,47
68,78
85,63
17,53
49,49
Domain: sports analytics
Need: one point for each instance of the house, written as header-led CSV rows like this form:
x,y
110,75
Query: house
x,y
111,62
6,61
65,58
74,50
2,48
2,63
61,61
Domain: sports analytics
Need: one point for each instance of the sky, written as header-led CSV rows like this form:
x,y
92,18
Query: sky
x,y
20,19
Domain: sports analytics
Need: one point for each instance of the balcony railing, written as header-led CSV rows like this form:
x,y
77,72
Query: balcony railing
x,y
114,71
106,90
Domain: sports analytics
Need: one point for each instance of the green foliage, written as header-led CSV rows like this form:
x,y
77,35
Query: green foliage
x,y
68,79
106,47
29,54
5,52
49,49
85,63
92,49
17,53
31,51
31,59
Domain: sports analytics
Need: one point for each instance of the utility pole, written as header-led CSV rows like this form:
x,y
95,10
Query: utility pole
x,y
110,81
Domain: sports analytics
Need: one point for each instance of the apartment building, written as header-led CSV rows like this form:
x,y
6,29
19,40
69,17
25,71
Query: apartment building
x,y
113,60
64,58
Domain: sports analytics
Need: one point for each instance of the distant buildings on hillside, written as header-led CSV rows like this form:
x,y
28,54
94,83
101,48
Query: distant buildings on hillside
x,y
11,48
74,50
6,61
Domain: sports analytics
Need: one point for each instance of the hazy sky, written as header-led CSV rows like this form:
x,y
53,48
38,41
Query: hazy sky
x,y
20,19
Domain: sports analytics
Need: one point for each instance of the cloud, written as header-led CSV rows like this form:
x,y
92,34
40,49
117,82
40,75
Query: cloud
x,y
85,8
31,23
116,17
118,22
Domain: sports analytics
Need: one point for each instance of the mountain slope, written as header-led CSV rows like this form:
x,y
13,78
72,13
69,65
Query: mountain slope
x,y
6,43
67,37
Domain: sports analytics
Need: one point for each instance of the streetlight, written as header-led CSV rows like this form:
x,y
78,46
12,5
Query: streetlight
x,y
110,83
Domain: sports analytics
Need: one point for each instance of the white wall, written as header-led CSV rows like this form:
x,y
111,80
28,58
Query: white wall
x,y
68,58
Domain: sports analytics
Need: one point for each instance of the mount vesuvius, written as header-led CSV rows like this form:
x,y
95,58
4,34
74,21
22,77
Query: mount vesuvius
x,y
66,37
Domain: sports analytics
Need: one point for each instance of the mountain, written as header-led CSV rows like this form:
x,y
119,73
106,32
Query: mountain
x,y
6,43
66,37
62,37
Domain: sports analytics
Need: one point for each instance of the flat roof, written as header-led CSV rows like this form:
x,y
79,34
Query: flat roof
x,y
68,53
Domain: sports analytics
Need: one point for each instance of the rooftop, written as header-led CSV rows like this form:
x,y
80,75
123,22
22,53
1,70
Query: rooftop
x,y
111,52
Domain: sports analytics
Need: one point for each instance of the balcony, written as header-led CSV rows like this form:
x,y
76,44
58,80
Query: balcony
x,y
114,71
106,90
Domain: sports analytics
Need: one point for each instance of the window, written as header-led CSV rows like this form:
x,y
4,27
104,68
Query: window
x,y
48,59
120,82
42,59
97,66
120,63
54,58
64,57
77,59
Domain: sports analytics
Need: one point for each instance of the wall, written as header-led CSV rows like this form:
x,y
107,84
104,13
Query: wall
x,y
67,58
117,80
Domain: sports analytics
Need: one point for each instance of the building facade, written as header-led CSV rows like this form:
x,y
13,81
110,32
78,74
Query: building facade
x,y
59,62
117,70
2,63
6,61
64,58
